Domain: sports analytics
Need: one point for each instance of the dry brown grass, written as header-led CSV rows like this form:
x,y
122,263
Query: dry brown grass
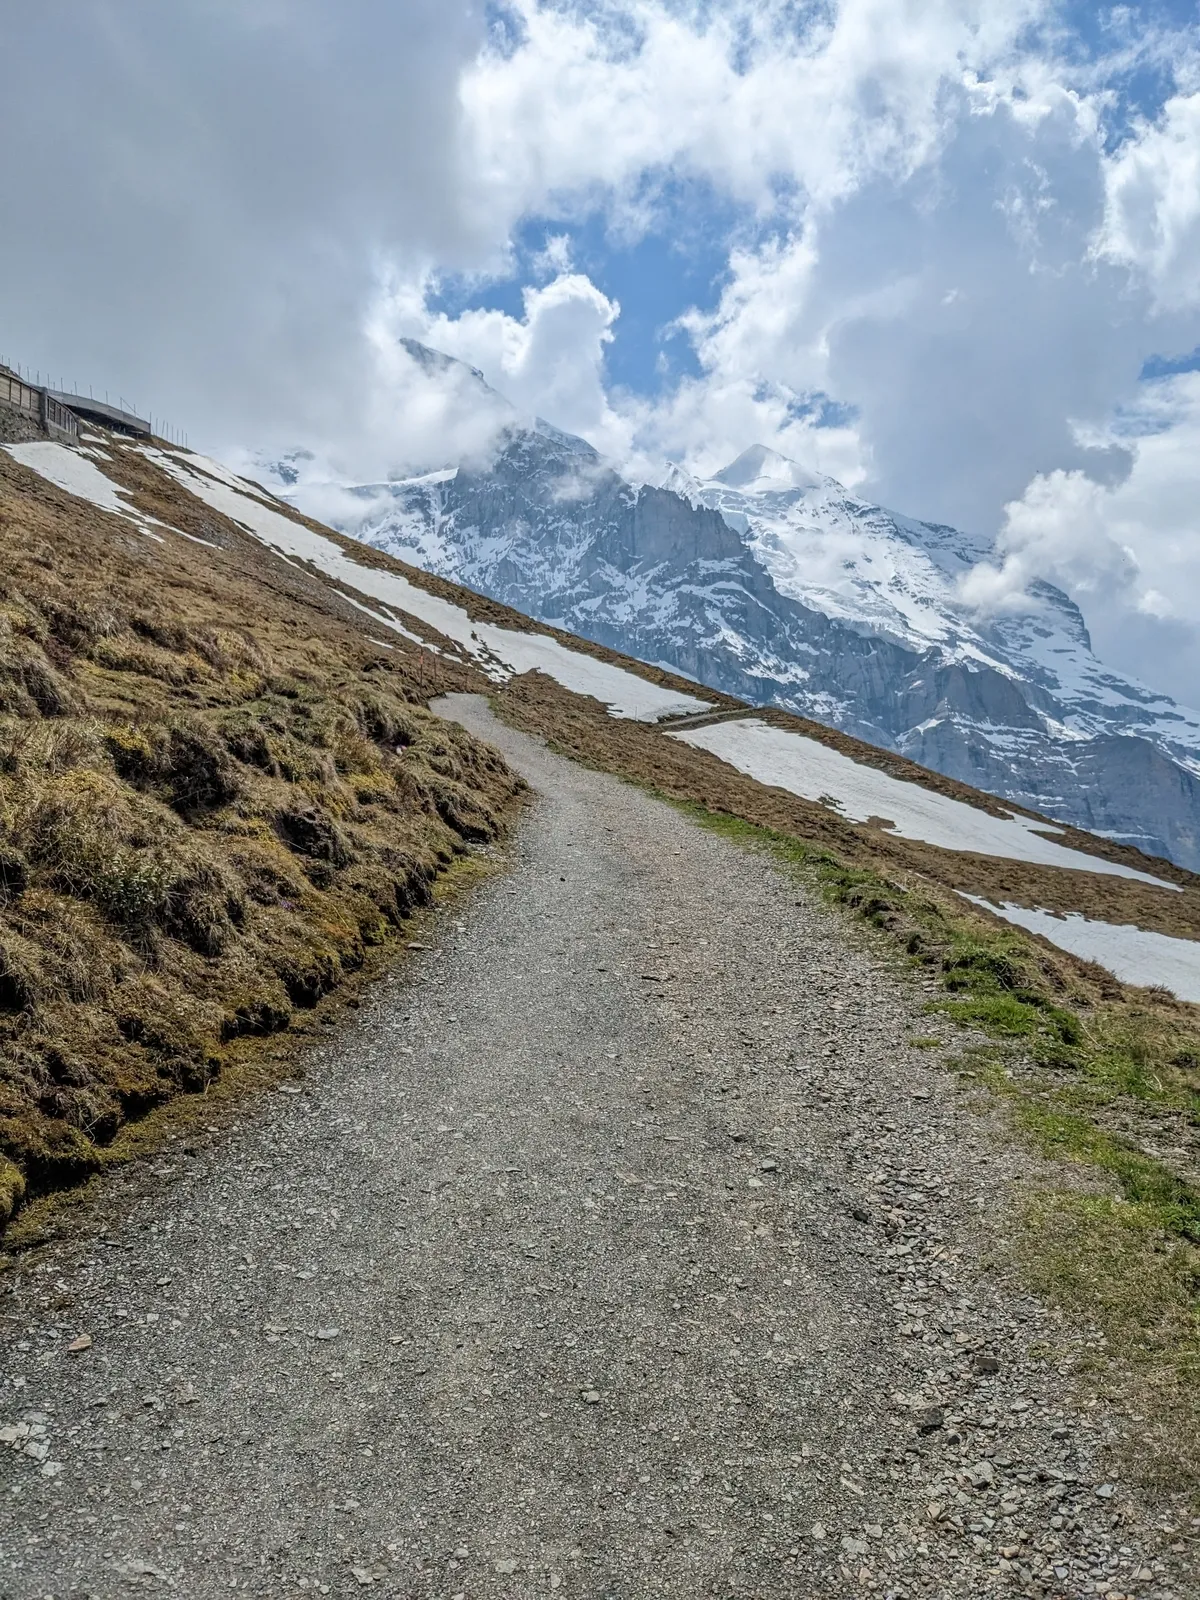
x,y
217,797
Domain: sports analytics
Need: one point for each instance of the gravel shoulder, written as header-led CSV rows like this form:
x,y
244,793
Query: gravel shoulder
x,y
621,1246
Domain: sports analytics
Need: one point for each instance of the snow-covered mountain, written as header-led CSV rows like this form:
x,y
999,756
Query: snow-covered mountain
x,y
782,587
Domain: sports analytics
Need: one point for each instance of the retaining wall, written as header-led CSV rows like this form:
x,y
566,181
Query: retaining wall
x,y
20,400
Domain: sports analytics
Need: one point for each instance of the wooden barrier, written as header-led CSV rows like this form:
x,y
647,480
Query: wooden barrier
x,y
22,396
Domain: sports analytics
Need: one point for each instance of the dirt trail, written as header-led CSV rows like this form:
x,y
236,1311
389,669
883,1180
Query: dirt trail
x,y
621,1247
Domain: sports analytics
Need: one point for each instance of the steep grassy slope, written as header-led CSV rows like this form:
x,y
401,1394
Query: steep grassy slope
x,y
216,795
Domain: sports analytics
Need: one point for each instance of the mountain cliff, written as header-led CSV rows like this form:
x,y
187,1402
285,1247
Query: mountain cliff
x,y
783,588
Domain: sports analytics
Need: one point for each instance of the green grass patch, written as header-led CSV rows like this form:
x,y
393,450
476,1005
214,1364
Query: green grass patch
x,y
1164,1200
1108,1261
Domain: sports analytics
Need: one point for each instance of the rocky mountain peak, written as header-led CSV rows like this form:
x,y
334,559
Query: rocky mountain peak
x,y
433,361
780,586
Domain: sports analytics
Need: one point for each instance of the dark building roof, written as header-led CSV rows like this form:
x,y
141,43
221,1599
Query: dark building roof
x,y
100,411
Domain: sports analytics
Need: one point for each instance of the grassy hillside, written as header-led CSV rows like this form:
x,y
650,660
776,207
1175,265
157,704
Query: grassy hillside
x,y
216,796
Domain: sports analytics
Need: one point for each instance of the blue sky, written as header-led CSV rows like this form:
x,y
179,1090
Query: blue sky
x,y
946,250
677,264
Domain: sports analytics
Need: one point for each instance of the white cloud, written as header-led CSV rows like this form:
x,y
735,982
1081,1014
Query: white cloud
x,y
764,352
749,97
1058,529
229,172
555,258
1130,552
548,362
1152,204
424,415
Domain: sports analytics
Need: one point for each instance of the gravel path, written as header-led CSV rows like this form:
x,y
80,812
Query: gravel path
x,y
620,1247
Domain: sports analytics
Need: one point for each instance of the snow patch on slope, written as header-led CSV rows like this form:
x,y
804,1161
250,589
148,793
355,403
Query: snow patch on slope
x,y
502,652
815,771
76,471
1135,955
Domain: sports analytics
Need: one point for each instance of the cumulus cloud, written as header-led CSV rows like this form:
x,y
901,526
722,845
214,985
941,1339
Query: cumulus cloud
x,y
426,411
1152,204
1057,529
1128,551
548,362
752,96
206,191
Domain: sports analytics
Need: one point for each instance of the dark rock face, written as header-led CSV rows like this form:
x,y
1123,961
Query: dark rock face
x,y
552,530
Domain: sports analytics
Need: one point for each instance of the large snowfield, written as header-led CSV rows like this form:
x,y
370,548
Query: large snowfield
x,y
1132,954
814,771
